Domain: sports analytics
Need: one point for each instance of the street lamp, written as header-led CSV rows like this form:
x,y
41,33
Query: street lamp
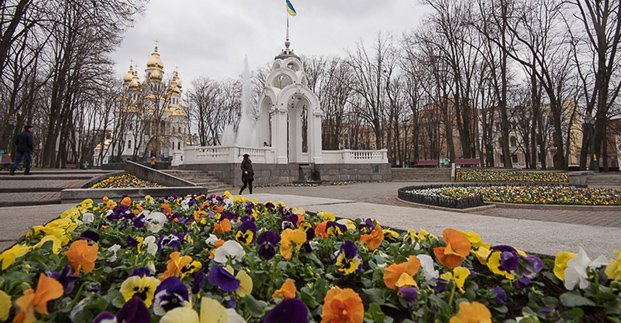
x,y
589,123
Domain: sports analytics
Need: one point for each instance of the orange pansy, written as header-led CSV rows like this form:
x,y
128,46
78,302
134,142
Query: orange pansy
x,y
82,256
174,265
166,209
216,245
47,289
320,229
472,312
400,275
222,226
342,305
287,290
126,201
457,248
218,208
300,219
373,239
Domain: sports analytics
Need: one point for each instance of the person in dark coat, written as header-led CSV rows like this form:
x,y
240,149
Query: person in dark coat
x,y
23,150
247,174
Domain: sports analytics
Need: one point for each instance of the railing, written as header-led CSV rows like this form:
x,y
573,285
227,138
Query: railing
x,y
233,154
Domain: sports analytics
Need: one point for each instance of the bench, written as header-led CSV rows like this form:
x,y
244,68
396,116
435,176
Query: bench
x,y
6,161
426,163
70,166
467,162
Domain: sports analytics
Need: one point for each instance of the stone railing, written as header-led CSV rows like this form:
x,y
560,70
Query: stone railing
x,y
233,154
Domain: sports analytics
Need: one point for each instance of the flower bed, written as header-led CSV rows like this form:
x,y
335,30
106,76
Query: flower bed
x,y
432,195
502,175
124,181
211,258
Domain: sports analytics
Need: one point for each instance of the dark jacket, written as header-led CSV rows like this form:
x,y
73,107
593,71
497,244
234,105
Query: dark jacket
x,y
246,166
24,142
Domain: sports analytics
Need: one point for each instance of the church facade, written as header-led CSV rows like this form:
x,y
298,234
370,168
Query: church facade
x,y
152,118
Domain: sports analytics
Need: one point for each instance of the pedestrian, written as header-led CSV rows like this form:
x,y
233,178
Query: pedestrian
x,y
23,150
247,174
153,162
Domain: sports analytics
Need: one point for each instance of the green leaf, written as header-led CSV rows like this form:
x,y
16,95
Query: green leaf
x,y
308,298
375,313
375,295
574,300
254,306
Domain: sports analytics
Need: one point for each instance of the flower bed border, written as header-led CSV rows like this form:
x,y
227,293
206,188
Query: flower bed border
x,y
491,170
465,203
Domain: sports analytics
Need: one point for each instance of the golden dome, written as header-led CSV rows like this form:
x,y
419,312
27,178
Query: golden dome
x,y
156,75
155,61
129,76
135,83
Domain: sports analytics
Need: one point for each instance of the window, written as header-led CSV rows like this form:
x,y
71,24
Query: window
x,y
173,146
513,141
129,144
179,145
514,158
179,130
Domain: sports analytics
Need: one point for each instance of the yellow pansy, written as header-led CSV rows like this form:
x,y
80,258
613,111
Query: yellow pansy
x,y
142,287
5,306
613,270
71,213
388,233
327,216
57,244
291,242
493,263
475,240
560,263
7,258
458,275
245,283
472,312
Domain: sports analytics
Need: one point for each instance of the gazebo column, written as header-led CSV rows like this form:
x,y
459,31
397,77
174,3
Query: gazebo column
x,y
279,134
314,136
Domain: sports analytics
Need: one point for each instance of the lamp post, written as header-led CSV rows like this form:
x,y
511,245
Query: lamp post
x,y
589,123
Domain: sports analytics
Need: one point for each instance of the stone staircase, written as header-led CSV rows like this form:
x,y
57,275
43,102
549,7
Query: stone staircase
x,y
604,180
200,178
421,174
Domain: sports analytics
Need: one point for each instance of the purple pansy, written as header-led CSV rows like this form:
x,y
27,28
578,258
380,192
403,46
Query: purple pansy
x,y
289,310
133,311
141,272
171,293
267,242
408,294
172,240
65,278
89,235
500,296
220,277
199,281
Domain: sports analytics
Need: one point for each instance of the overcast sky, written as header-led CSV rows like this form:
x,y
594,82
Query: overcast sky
x,y
211,37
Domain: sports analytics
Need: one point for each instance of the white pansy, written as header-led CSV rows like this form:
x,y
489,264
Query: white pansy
x,y
113,251
150,245
212,239
88,217
185,204
155,221
230,249
426,263
151,267
233,317
577,270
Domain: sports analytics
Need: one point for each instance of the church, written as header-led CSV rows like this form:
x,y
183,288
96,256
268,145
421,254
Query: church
x,y
152,120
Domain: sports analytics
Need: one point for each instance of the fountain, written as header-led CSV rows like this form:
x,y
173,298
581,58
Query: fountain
x,y
246,133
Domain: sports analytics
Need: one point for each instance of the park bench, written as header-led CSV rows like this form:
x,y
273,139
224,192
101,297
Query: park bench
x,y
70,166
427,163
6,161
467,162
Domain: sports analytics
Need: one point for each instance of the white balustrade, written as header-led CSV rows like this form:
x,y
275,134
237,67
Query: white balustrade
x,y
265,155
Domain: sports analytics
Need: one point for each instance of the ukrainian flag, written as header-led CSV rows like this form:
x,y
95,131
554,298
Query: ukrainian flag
x,y
290,8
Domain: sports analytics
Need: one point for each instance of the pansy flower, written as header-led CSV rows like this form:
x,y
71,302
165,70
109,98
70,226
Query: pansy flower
x,y
229,250
499,294
576,273
211,312
141,287
223,279
8,257
342,305
348,261
428,269
472,312
613,269
170,293
408,294
180,266
82,256
155,221
5,305
334,228
134,311
48,289
287,290
402,274
199,281
457,275
456,250
246,232
222,226
172,240
289,310
65,277
373,239
267,242
291,242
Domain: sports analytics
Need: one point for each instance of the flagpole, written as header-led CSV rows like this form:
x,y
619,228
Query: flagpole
x,y
287,43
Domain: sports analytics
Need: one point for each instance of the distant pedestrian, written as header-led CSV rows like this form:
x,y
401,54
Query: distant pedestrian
x,y
247,174
153,162
23,150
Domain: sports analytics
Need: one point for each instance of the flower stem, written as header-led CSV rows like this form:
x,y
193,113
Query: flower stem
x,y
453,286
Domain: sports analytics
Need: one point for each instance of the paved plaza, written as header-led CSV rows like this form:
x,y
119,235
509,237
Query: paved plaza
x,y
542,231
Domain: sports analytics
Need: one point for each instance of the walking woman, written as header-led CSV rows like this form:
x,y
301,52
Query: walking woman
x,y
247,174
